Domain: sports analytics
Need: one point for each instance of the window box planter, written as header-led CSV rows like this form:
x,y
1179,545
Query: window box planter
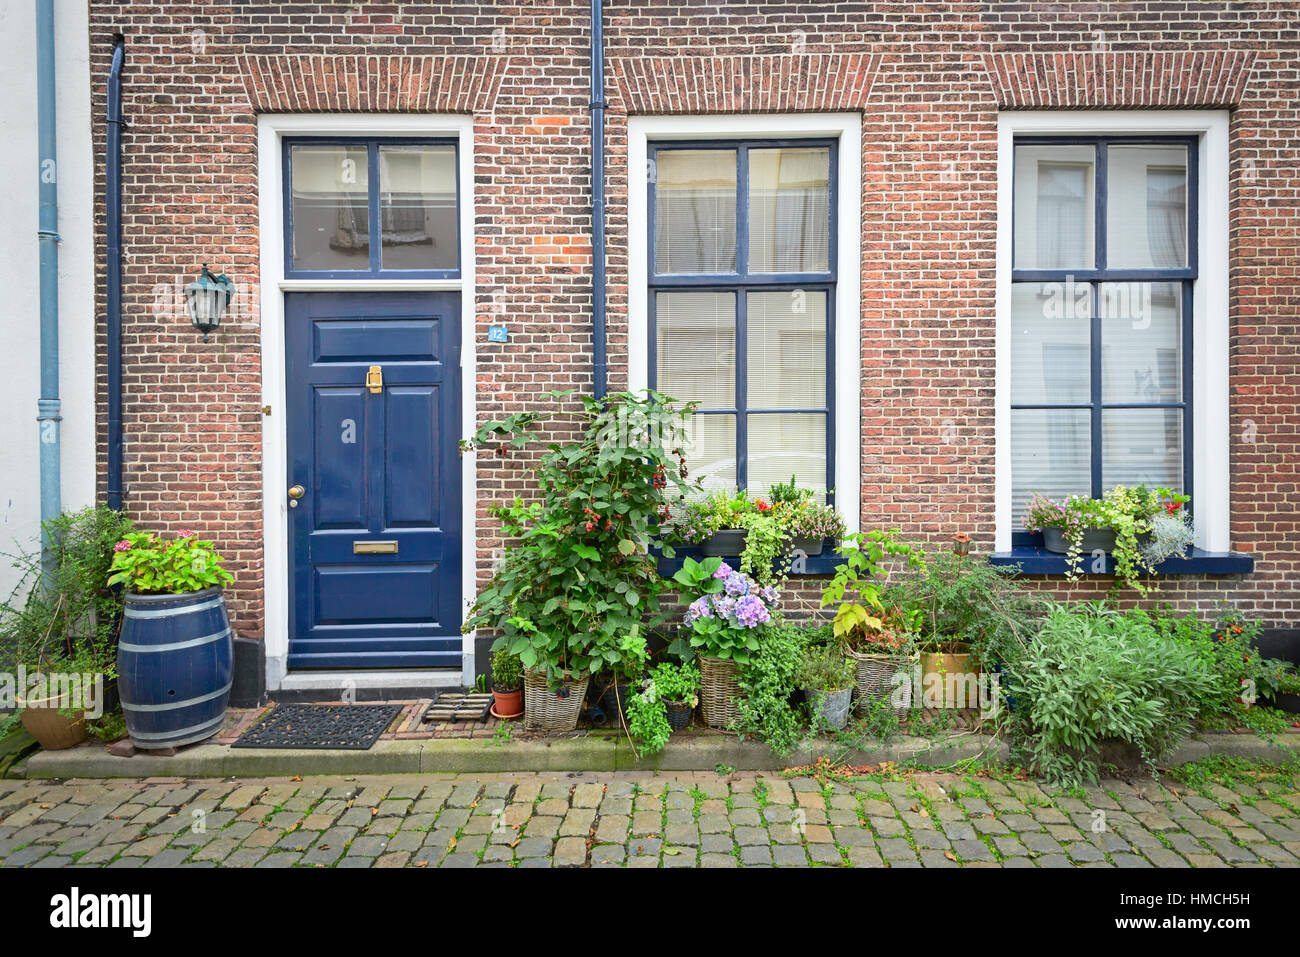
x,y
1094,540
809,546
724,543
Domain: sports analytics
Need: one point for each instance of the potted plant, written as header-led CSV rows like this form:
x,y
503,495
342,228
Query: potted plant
x,y
969,616
725,620
175,659
507,685
827,679
878,637
664,704
573,591
1120,524
59,626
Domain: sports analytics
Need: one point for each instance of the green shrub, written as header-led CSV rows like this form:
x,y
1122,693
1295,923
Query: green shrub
x,y
768,679
66,617
1226,647
1094,676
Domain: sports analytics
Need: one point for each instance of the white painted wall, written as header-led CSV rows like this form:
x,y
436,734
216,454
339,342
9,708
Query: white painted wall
x,y
19,270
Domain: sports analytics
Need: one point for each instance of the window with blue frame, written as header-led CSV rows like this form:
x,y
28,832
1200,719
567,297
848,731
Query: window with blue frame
x,y
1102,276
741,301
340,193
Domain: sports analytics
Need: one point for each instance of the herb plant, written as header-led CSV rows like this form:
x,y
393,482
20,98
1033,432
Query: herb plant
x,y
767,679
1092,677
507,672
824,668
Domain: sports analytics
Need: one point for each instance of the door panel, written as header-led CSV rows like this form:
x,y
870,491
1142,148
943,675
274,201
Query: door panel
x,y
376,560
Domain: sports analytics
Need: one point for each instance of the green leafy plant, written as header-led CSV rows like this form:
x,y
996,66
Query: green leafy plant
x,y
65,617
1128,512
580,575
647,710
961,600
1092,677
863,622
1226,646
146,564
731,609
507,672
824,668
767,680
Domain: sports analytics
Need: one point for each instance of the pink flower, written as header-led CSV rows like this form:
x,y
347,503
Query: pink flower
x,y
122,546
186,533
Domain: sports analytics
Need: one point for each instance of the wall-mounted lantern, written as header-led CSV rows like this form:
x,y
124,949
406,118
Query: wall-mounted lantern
x,y
206,299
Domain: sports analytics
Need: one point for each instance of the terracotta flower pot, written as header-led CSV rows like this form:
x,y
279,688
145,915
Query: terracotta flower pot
x,y
508,704
51,729
957,684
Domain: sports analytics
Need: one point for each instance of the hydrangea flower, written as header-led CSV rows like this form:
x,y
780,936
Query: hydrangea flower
x,y
724,571
736,585
770,594
724,607
751,612
700,608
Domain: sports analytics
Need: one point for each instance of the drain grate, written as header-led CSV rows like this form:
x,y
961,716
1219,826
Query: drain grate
x,y
349,727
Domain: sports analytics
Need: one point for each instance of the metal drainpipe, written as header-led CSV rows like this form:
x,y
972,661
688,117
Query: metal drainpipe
x,y
48,406
113,324
598,200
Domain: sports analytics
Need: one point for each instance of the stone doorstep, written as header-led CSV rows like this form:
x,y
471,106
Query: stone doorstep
x,y
594,751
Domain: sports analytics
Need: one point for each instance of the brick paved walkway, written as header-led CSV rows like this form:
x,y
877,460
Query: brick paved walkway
x,y
645,820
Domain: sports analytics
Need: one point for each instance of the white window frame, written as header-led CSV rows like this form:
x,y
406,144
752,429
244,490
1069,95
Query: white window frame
x,y
272,129
1210,336
847,128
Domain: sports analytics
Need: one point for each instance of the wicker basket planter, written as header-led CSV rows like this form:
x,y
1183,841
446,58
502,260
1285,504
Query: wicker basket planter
x,y
719,691
876,680
547,710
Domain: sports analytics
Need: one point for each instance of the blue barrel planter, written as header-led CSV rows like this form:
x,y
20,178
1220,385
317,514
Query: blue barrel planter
x,y
175,666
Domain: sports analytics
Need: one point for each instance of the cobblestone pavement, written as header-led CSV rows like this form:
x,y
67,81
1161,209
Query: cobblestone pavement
x,y
644,820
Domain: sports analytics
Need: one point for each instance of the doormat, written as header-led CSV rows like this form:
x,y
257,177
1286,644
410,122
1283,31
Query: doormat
x,y
459,707
348,727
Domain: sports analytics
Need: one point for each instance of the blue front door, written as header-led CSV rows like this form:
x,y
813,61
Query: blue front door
x,y
373,383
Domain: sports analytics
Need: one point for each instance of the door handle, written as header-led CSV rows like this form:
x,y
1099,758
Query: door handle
x,y
296,492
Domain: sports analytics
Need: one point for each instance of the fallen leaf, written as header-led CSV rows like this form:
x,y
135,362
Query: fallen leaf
x,y
374,811
925,812
950,855
296,777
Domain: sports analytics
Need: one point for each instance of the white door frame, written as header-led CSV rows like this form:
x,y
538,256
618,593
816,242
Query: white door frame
x,y
271,131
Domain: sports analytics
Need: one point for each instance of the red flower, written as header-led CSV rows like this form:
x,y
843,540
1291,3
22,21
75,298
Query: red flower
x,y
763,506
1172,507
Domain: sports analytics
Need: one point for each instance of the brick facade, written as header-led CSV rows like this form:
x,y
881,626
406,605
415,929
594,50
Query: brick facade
x,y
929,82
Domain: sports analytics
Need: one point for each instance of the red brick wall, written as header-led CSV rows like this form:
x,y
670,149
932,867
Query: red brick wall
x,y
928,80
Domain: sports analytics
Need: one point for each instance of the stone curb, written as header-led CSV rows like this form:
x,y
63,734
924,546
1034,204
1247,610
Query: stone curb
x,y
594,752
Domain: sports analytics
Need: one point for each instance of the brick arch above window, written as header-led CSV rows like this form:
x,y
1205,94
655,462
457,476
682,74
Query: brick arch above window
x,y
743,84
1119,80
394,84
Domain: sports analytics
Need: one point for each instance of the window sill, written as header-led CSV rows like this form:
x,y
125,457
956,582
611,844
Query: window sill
x,y
1037,560
823,564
